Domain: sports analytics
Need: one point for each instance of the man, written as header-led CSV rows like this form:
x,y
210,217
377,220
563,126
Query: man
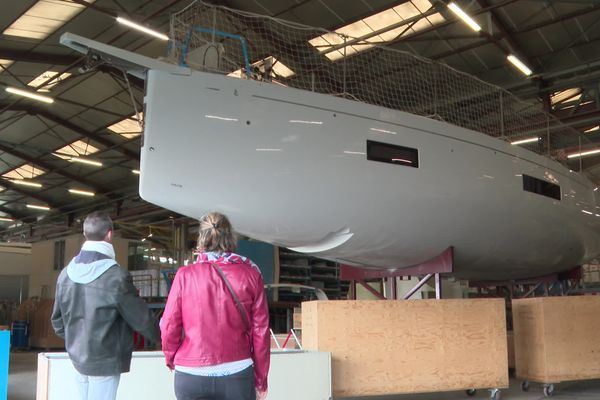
x,y
96,309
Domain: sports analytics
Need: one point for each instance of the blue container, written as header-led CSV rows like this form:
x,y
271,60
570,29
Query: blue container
x,y
20,335
4,349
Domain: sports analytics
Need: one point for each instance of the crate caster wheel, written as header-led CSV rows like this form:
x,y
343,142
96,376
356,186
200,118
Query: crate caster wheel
x,y
495,394
549,390
471,392
525,386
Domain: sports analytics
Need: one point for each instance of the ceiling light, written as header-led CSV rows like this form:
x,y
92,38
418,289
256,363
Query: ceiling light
x,y
597,127
38,207
523,141
141,28
586,212
269,150
585,153
3,219
136,171
82,192
464,16
354,152
519,64
26,183
30,95
86,161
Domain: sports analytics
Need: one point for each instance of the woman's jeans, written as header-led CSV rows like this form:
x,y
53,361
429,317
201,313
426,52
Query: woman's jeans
x,y
239,386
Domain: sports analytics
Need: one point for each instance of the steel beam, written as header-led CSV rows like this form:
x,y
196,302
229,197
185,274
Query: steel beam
x,y
50,168
96,137
29,193
38,57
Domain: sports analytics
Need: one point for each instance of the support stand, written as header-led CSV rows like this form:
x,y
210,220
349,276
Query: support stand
x,y
444,263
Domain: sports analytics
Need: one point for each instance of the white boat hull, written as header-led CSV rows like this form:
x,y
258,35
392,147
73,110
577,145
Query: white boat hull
x,y
289,167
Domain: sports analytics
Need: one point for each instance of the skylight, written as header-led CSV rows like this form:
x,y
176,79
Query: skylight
x,y
571,94
75,149
377,22
43,18
129,127
43,77
278,69
27,171
5,63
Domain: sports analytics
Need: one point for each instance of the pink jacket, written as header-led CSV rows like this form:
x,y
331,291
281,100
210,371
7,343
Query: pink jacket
x,y
201,307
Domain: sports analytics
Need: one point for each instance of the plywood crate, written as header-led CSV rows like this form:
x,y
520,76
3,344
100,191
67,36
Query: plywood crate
x,y
556,338
393,347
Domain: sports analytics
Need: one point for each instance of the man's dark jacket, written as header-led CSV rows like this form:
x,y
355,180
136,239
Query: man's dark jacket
x,y
97,319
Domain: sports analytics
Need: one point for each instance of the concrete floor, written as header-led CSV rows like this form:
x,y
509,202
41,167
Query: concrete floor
x,y
22,386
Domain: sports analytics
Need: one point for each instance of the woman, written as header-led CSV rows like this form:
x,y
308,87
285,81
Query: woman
x,y
218,346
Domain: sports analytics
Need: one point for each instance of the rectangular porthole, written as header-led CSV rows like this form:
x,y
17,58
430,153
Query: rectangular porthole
x,y
539,186
392,154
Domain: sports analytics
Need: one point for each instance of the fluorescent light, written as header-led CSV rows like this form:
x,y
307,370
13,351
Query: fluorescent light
x,y
269,150
519,64
38,207
6,219
82,192
523,141
584,153
586,212
26,183
86,161
355,152
464,16
141,28
592,129
136,171
34,96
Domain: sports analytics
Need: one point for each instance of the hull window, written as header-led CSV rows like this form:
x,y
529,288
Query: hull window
x,y
392,154
539,186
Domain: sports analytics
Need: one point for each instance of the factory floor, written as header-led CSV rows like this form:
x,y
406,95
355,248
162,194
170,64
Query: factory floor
x,y
23,365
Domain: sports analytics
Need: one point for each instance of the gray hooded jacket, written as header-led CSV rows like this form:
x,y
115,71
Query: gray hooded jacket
x,y
96,309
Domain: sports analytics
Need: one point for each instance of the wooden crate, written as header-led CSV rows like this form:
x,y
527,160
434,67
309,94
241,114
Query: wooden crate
x,y
393,347
41,333
556,338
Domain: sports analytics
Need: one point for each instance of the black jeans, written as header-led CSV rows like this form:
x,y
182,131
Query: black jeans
x,y
239,386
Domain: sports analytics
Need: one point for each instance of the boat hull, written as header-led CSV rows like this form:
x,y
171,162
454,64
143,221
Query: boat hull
x,y
289,167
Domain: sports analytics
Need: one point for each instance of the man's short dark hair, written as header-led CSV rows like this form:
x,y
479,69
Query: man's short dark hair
x,y
97,225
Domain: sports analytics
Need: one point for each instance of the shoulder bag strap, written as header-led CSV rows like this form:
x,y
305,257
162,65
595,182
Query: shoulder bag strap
x,y
239,305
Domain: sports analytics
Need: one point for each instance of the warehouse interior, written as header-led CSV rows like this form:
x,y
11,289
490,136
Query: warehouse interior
x,y
523,74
